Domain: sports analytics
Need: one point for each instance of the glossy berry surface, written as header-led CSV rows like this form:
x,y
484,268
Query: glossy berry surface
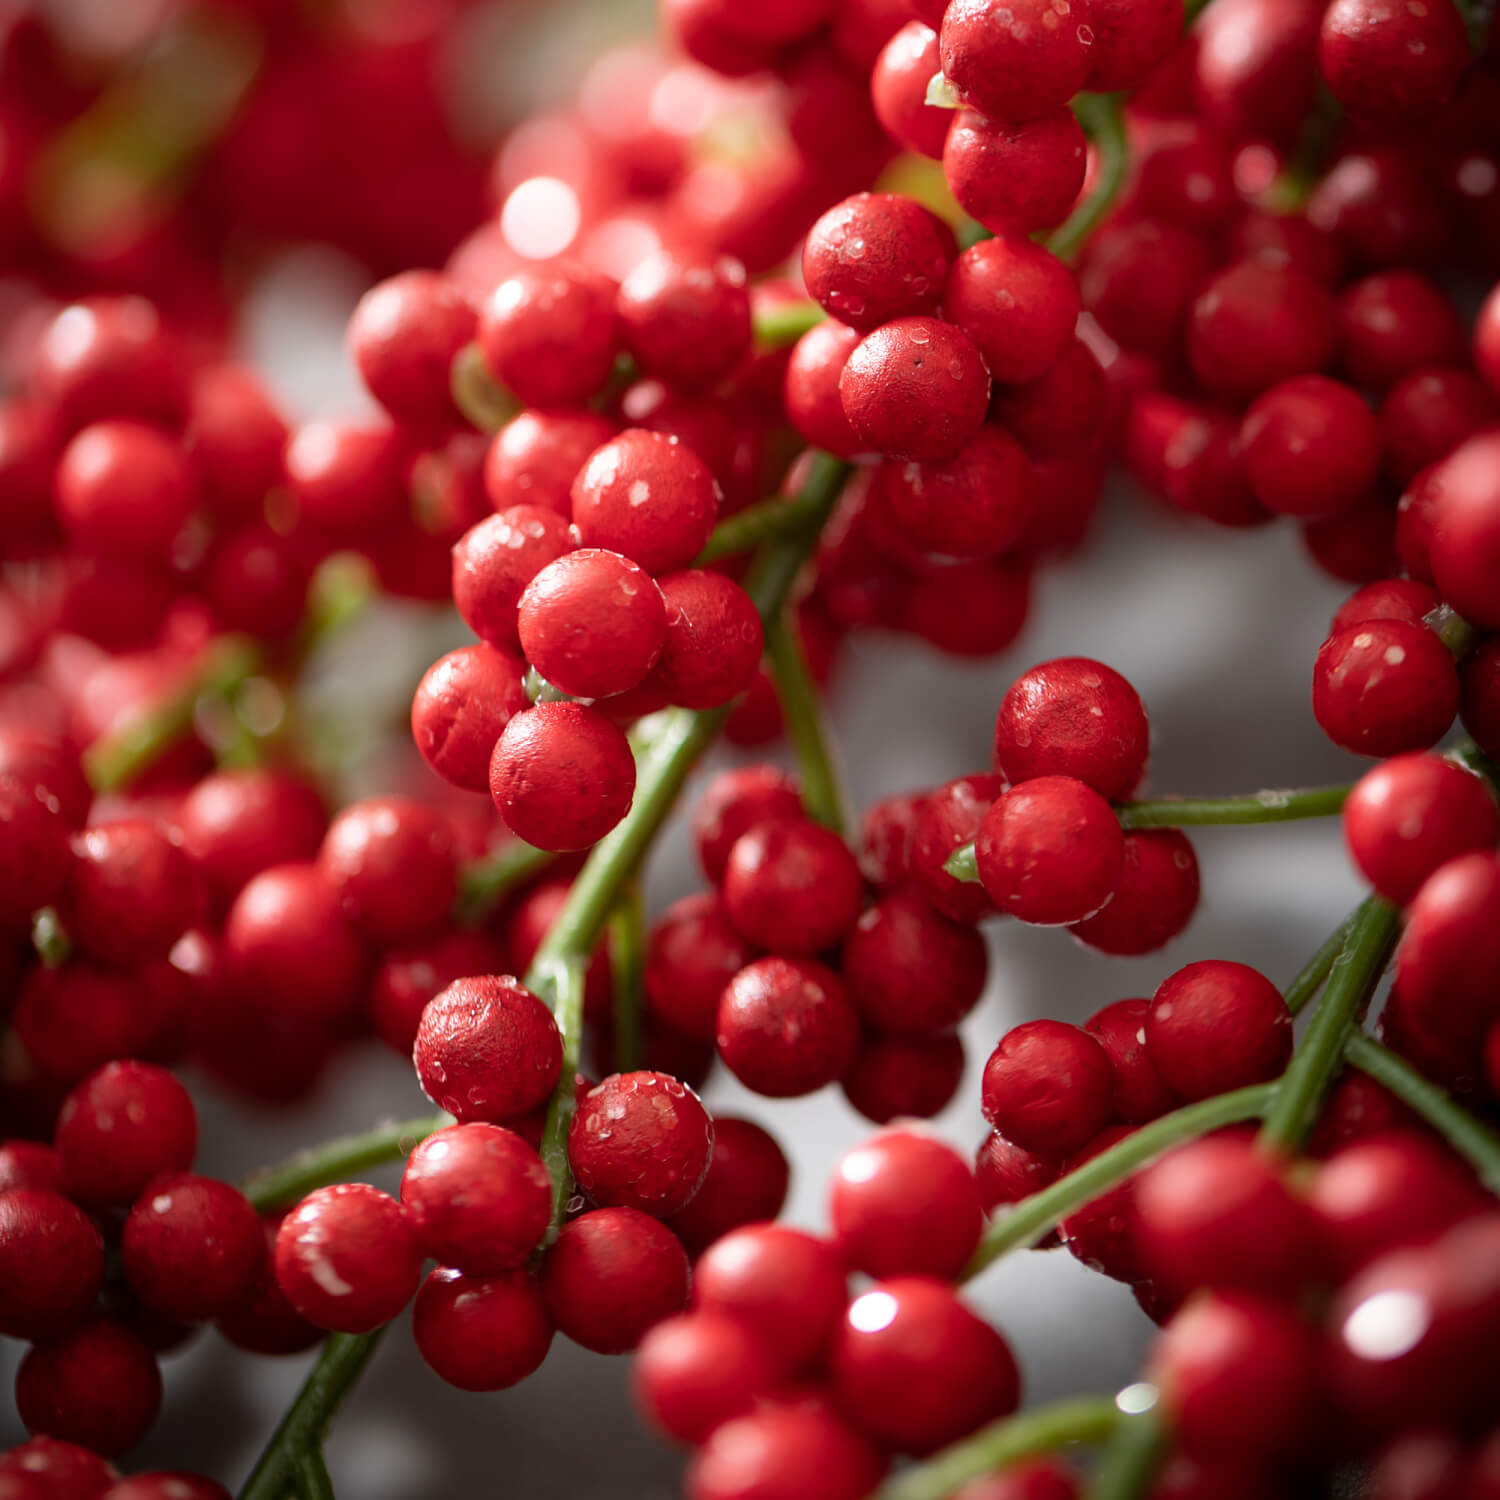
x,y
699,1370
119,1128
481,1333
52,1258
1215,1026
487,1049
346,1258
792,886
786,1027
1048,1087
98,1387
641,1140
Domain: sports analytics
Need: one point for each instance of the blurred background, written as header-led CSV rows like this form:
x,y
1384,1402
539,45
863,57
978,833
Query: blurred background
x,y
168,143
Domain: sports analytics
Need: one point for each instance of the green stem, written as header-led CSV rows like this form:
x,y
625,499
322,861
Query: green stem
x,y
776,327
1202,812
1130,1462
310,1476
765,521
1355,974
115,760
1085,1419
340,1364
802,712
1320,965
627,962
1471,1139
1453,630
1103,118
1032,1217
482,400
1257,807
485,883
539,690
561,981
337,1161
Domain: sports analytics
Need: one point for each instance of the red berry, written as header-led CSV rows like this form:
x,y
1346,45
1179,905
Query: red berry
x,y
792,886
592,623
1139,280
549,333
1121,1030
1031,1479
1255,69
916,1369
1465,545
30,1166
1016,179
1073,717
348,480
915,388
111,356
1130,40
265,1322
893,1078
535,457
814,405
747,1182
562,776
1254,325
1311,446
1006,1173
393,864
487,1049
713,642
898,90
785,1285
193,1247
950,818
686,319
1215,1026
732,804
119,1128
786,1027
1218,1213
911,972
1385,1192
903,1203
124,488
1238,1377
699,1370
1048,1087
237,823
1479,706
495,560
346,1258
694,951
875,257
1384,687
64,1471
1017,301
34,854
1016,62
1063,410
130,891
76,1018
1387,599
785,1453
1429,413
647,496
404,335
97,1386
461,707
164,1485
286,939
481,1333
641,1140
1394,323
51,1264
975,505
235,437
1413,813
1385,61
476,1197
1448,965
1050,850
611,1275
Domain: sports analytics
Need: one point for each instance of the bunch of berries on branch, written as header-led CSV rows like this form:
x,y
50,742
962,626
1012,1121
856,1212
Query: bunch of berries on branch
x,y
801,325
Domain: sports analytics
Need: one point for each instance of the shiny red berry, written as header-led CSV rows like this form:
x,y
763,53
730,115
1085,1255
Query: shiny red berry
x,y
1215,1026
51,1264
786,1027
792,886
1384,687
461,707
713,643
1016,178
481,1333
98,1386
699,1370
495,560
793,1452
746,1183
686,319
119,1128
404,334
1048,1087
392,862
1016,62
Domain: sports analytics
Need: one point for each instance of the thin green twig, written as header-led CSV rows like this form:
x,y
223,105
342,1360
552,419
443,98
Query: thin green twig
x,y
337,1160
806,728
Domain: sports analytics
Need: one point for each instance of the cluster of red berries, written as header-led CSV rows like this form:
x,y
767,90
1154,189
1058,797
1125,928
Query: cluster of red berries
x,y
695,270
